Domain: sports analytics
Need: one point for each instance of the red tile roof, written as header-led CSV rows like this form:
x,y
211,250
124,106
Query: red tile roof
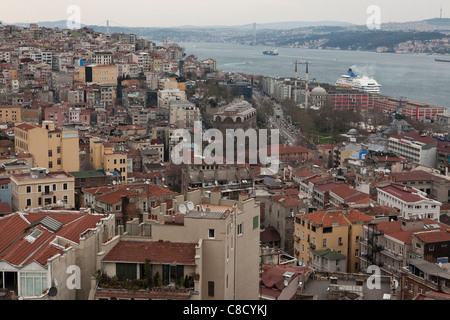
x,y
403,193
157,251
325,218
14,228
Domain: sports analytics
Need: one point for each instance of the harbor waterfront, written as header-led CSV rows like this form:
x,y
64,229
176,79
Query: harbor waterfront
x,y
407,76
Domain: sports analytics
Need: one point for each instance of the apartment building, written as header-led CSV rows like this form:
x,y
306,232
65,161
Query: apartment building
x,y
102,154
218,238
97,73
390,243
102,57
414,146
52,147
183,114
52,241
420,277
280,212
339,230
11,114
165,97
436,186
410,202
42,188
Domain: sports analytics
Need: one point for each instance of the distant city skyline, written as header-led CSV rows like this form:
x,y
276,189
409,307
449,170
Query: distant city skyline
x,y
150,13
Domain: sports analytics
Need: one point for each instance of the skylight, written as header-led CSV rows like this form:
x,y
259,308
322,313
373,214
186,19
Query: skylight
x,y
33,235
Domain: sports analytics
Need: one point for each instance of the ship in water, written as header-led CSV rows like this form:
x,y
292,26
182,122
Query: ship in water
x,y
271,52
441,60
362,83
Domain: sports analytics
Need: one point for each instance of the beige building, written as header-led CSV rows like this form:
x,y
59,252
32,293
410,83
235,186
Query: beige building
x,y
217,238
101,74
183,114
338,230
103,155
51,147
168,95
42,188
12,114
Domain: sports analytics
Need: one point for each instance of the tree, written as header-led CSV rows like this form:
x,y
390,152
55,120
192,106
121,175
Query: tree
x,y
157,280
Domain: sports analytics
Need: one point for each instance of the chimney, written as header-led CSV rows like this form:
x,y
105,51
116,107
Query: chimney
x,y
215,196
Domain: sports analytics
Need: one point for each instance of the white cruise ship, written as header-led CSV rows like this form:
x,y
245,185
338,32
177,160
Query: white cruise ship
x,y
364,83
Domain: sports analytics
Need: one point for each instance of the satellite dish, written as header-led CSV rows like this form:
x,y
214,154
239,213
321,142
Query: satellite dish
x,y
182,208
190,205
52,292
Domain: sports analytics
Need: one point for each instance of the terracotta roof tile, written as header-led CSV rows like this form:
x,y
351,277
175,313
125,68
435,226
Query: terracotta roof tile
x,y
156,251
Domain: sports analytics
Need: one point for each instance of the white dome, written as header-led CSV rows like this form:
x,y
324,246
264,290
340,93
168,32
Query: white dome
x,y
319,91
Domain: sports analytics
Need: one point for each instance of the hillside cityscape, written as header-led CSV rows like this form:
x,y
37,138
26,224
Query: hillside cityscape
x,y
113,184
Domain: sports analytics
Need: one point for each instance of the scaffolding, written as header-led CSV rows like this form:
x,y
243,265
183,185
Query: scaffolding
x,y
373,248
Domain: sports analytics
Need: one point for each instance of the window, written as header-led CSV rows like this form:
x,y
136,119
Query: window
x,y
54,187
64,186
28,202
50,153
118,208
50,164
58,161
340,241
211,233
240,229
324,242
210,288
32,283
28,189
255,222
65,198
357,239
58,149
356,252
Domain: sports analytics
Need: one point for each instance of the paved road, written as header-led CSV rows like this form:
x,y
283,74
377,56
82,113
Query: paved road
x,y
286,130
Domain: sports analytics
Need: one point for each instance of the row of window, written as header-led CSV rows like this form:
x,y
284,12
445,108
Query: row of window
x,y
47,188
47,201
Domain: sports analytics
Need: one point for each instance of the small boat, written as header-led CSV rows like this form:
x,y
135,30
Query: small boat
x,y
441,60
271,52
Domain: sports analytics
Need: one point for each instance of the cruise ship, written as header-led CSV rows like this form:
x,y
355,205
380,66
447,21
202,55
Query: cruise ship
x,y
364,83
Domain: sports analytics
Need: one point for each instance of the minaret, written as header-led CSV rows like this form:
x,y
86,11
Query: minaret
x,y
306,86
295,82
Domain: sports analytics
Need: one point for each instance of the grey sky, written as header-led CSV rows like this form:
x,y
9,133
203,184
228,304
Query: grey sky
x,y
160,13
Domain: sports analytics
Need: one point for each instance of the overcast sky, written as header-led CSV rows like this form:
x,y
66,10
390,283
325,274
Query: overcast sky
x,y
160,13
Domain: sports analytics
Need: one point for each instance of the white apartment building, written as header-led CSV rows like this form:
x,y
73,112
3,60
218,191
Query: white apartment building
x,y
411,202
415,147
168,95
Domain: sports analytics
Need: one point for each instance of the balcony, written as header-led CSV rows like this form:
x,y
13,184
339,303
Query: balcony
x,y
47,193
